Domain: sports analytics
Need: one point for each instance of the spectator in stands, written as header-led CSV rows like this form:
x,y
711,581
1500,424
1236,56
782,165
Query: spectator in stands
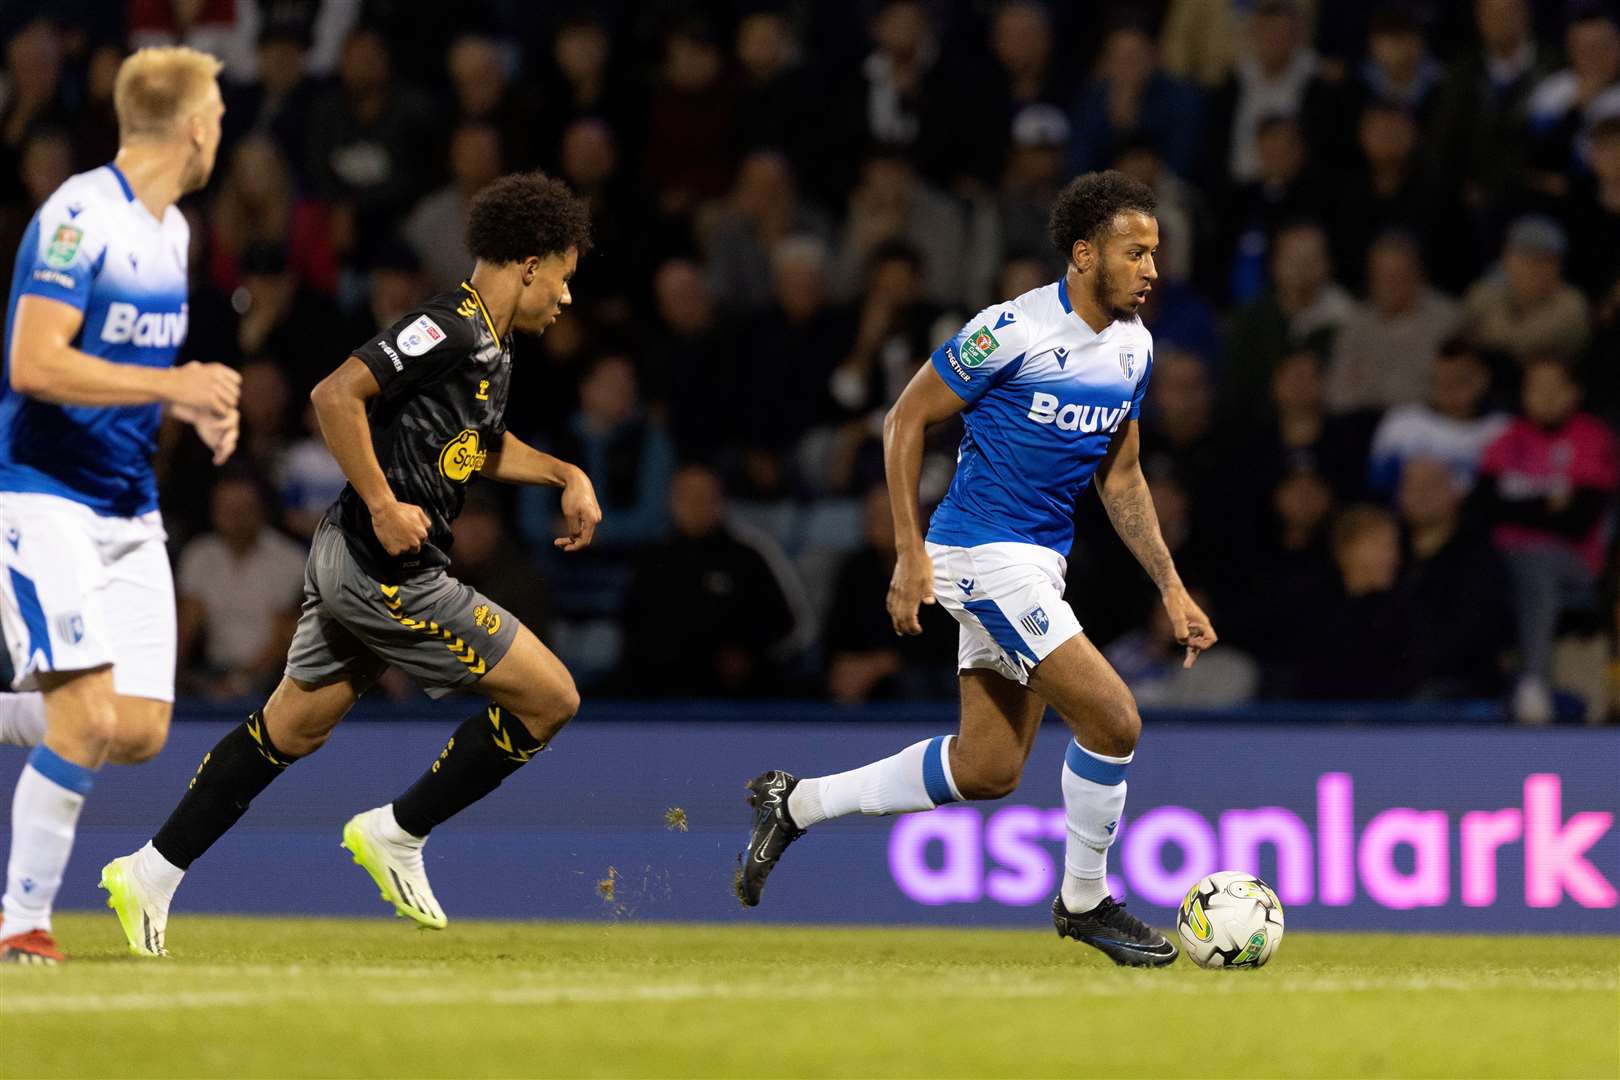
x,y
1285,188
484,557
1551,479
47,161
777,108
1566,103
1452,425
367,141
1031,179
894,99
240,587
694,363
255,205
865,658
1276,76
1152,663
280,315
1458,585
892,202
705,610
1398,68
279,102
1479,135
1592,213
1131,95
1186,234
794,347
1599,374
1381,357
480,79
1304,436
762,209
1371,649
627,455
1528,309
691,117
582,84
34,95
437,227
309,480
622,227
1303,307
1179,433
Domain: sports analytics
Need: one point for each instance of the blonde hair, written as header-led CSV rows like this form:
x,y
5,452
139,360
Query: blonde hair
x,y
156,87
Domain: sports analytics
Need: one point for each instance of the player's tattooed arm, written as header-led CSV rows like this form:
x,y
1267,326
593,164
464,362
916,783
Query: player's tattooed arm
x,y
516,462
1125,495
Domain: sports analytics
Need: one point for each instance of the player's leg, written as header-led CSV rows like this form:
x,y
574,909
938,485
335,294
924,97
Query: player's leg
x,y
22,718
1083,688
50,605
139,607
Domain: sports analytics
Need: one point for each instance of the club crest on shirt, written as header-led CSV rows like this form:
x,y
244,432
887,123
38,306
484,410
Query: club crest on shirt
x,y
1035,621
1127,362
419,337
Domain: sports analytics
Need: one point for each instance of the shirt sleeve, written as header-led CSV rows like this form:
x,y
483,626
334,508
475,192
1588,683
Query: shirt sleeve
x,y
61,253
986,352
417,349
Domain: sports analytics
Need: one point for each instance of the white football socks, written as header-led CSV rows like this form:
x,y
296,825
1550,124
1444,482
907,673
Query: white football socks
x,y
1093,800
917,778
157,874
44,815
22,719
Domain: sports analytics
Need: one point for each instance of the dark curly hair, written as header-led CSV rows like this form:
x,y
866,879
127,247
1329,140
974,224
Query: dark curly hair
x,y
1088,204
524,214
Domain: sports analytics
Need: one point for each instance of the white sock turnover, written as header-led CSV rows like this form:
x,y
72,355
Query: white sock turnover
x,y
917,778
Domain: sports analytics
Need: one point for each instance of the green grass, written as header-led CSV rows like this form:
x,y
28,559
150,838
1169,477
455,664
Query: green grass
x,y
306,998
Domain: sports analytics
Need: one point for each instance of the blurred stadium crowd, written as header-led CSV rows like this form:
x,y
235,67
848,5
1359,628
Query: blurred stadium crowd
x,y
1387,368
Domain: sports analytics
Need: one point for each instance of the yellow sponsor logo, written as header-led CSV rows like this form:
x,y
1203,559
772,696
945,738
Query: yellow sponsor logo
x,y
489,620
461,456
483,390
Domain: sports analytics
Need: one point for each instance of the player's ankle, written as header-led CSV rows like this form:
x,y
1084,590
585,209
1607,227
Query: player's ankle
x,y
1083,894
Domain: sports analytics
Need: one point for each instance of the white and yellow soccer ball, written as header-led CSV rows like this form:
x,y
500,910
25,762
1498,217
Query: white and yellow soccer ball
x,y
1230,920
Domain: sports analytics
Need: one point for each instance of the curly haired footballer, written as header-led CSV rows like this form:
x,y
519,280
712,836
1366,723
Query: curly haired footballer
x,y
1090,203
527,214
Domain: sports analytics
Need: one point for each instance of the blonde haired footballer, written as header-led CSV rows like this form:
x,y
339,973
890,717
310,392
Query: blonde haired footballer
x,y
96,314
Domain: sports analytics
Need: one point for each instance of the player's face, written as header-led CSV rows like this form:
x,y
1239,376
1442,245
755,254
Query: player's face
x,y
545,291
204,132
1125,268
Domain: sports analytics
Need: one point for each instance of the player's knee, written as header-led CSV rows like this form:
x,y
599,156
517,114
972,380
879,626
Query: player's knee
x,y
1119,726
548,713
143,730
297,742
986,776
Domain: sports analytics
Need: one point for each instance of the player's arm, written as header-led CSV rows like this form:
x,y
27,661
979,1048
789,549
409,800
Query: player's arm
x,y
340,406
45,365
926,401
1125,495
516,462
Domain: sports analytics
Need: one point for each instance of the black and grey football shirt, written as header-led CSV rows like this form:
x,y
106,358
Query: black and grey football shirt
x,y
445,375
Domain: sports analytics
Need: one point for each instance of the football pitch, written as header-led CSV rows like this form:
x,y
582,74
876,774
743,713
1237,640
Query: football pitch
x,y
374,998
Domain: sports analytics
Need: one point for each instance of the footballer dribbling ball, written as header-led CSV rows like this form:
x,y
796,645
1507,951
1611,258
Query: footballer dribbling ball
x,y
1230,920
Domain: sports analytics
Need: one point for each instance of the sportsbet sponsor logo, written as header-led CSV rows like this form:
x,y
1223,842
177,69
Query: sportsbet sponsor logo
x,y
978,346
461,457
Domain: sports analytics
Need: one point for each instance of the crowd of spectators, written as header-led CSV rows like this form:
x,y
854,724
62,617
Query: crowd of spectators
x,y
1380,434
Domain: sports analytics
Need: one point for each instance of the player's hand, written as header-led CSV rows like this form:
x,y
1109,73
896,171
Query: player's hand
x,y
212,388
218,432
400,527
580,513
912,585
1189,623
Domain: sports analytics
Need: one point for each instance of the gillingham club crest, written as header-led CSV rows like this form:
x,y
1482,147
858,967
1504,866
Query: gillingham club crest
x,y
1127,362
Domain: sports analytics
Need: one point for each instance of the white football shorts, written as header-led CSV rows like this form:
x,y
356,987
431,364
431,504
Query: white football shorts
x,y
79,591
1008,599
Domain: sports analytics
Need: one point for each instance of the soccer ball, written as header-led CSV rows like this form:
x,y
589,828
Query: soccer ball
x,y
1230,920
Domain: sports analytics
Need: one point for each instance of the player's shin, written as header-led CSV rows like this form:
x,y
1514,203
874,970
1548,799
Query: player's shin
x,y
231,775
917,778
1093,801
44,816
486,749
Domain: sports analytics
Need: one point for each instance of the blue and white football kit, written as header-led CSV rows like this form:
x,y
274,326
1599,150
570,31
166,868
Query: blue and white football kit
x,y
1045,397
84,575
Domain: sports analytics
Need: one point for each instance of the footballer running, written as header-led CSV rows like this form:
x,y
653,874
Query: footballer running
x,y
96,315
1050,389
412,416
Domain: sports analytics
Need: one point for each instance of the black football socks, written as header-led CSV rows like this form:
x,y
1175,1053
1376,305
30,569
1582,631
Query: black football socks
x,y
486,749
231,775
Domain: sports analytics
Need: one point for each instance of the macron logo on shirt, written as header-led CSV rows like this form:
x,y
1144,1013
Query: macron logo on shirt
x,y
127,324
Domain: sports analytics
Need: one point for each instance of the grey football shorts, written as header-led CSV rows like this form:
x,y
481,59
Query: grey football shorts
x,y
443,634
